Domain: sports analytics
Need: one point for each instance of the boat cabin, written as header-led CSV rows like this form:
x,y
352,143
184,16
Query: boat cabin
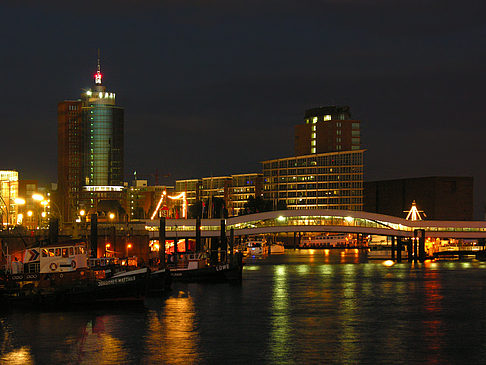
x,y
188,261
58,258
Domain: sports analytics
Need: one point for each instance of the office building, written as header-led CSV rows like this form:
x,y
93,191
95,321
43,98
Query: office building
x,y
327,129
90,151
242,187
439,197
9,189
192,188
235,190
316,181
143,199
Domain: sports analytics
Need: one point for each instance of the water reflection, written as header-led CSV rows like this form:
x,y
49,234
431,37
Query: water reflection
x,y
348,311
18,356
98,344
279,341
299,307
432,322
172,336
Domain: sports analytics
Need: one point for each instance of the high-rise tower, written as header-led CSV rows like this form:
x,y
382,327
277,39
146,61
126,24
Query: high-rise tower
x,y
90,150
327,129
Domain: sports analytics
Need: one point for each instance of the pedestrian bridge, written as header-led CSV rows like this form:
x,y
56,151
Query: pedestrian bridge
x,y
319,220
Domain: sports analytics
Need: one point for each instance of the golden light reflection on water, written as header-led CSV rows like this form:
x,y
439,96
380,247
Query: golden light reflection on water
x,y
20,356
327,270
172,335
251,268
349,338
303,269
97,345
433,323
280,331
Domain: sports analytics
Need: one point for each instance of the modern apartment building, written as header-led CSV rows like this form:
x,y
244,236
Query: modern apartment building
x,y
323,181
327,129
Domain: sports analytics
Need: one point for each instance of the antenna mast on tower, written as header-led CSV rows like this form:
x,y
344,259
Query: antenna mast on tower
x,y
98,75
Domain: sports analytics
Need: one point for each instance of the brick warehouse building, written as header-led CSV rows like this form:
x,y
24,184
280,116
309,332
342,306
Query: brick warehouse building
x,y
440,197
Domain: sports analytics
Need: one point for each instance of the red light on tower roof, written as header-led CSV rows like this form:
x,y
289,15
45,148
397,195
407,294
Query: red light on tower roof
x,y
98,77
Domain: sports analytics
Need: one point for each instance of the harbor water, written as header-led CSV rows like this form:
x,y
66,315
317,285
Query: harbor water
x,y
303,307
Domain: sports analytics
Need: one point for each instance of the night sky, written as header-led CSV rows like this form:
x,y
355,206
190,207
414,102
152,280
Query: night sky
x,y
215,87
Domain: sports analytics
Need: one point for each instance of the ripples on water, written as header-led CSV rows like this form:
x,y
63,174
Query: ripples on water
x,y
307,306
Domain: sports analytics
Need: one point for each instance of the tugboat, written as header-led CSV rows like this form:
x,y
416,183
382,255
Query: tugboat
x,y
59,274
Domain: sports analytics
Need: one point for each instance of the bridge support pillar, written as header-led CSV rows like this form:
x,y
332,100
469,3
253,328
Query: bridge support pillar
x,y
415,249
162,234
223,242
393,239
295,240
399,249
198,235
420,241
232,241
409,249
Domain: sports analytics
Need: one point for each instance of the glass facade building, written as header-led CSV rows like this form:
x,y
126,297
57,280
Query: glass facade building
x,y
317,181
103,143
90,151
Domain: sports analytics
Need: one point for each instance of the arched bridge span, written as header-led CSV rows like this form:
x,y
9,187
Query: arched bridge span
x,y
320,220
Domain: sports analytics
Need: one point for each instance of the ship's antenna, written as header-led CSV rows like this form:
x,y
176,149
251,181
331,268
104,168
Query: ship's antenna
x,y
99,67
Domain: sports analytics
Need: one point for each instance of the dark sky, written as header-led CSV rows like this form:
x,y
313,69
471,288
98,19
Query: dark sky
x,y
215,87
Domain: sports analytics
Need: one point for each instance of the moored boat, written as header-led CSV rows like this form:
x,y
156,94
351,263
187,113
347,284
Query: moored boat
x,y
59,274
256,246
276,248
191,267
329,241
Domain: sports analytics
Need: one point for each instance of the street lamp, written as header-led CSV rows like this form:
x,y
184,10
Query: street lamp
x,y
19,201
129,246
111,216
38,197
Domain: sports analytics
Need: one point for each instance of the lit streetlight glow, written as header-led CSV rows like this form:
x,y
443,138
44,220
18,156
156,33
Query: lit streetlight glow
x,y
37,197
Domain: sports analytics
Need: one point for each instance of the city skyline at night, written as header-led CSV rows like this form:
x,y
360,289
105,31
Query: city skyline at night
x,y
205,96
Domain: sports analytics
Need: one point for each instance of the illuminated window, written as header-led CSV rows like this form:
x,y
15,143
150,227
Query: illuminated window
x,y
313,135
313,142
314,128
338,132
327,117
314,120
313,150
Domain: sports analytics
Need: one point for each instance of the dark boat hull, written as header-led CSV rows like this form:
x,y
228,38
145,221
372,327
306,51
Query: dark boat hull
x,y
220,272
159,282
129,286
